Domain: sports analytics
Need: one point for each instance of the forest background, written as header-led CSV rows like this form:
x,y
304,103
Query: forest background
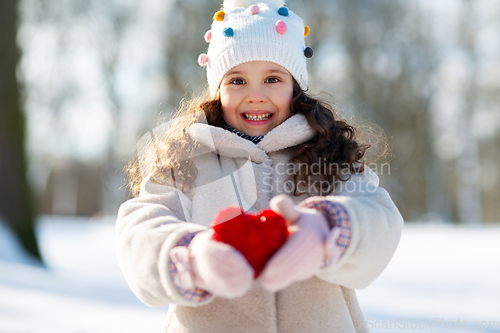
x,y
82,81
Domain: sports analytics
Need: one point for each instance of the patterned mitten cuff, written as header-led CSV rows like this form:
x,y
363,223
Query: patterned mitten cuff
x,y
180,273
340,227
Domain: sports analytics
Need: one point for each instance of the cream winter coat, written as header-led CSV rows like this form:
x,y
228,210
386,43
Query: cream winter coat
x,y
244,173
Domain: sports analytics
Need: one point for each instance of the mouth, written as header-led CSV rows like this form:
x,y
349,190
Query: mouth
x,y
257,117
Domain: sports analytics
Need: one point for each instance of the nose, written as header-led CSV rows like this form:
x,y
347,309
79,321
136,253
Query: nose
x,y
256,95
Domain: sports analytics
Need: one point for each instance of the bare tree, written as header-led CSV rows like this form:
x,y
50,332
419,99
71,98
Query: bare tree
x,y
467,163
188,20
16,205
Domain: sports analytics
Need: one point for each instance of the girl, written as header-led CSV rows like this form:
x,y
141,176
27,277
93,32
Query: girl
x,y
258,141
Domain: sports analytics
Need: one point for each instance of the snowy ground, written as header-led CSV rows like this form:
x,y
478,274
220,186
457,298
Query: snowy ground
x,y
441,279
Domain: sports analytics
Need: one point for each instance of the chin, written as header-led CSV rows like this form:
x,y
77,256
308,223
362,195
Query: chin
x,y
251,133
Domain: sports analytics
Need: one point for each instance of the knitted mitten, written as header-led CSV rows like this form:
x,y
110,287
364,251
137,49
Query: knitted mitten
x,y
339,236
212,266
304,251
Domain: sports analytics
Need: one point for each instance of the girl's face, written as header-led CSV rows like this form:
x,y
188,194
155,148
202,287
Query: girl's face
x,y
256,96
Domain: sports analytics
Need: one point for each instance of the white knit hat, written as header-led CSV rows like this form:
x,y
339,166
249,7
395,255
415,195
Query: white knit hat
x,y
255,30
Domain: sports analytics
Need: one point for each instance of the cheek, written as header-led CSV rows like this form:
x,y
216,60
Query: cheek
x,y
284,115
225,104
227,115
228,100
229,111
284,106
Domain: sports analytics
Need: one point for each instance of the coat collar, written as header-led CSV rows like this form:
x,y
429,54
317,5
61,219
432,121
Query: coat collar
x,y
293,131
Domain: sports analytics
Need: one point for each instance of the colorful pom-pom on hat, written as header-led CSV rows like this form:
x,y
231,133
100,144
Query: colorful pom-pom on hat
x,y
228,32
208,36
255,30
308,52
254,9
281,27
283,11
219,16
203,59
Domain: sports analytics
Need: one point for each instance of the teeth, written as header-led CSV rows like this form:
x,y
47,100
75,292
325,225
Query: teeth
x,y
264,116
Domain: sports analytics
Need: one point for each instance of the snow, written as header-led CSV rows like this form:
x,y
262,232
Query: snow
x,y
439,273
81,291
10,249
441,278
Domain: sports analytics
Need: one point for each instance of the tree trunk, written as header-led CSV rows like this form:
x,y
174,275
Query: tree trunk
x,y
468,165
16,205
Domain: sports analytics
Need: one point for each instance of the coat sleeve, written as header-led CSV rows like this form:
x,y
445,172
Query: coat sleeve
x,y
376,226
147,228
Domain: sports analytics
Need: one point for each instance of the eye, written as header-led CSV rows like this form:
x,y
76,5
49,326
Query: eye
x,y
273,79
237,81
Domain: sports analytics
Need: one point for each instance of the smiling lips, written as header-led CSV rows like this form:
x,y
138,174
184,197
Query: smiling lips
x,y
257,117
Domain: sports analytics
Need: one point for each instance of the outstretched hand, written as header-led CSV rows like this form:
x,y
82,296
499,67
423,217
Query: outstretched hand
x,y
304,251
212,266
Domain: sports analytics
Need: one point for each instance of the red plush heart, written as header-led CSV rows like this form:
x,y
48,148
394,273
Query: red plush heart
x,y
256,236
